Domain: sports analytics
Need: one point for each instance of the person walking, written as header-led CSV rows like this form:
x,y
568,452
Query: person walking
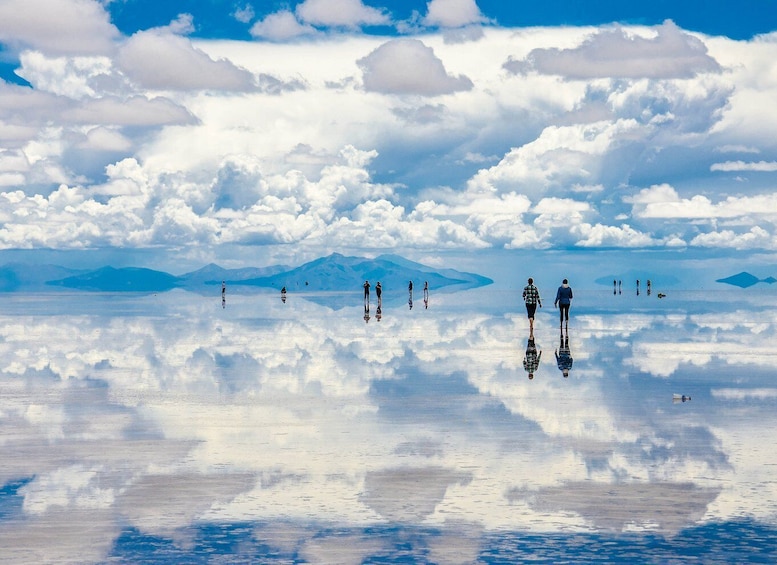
x,y
531,296
563,301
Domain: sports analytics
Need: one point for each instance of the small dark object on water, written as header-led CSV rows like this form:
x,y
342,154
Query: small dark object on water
x,y
661,295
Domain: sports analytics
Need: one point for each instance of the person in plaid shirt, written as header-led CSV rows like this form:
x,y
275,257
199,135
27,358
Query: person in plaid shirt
x,y
532,298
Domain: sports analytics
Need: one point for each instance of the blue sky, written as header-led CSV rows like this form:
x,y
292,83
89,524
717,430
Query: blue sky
x,y
244,132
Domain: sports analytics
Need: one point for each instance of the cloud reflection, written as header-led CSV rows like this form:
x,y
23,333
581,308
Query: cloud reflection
x,y
180,413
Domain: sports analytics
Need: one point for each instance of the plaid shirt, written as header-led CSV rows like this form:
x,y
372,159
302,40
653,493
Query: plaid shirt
x,y
531,295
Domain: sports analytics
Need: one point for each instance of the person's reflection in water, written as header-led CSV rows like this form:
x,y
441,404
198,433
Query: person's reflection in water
x,y
426,294
531,360
366,312
564,355
283,295
620,287
378,313
648,287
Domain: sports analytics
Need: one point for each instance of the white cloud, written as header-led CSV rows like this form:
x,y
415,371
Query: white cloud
x,y
453,13
244,14
407,66
739,166
280,26
558,157
134,111
599,235
663,201
756,238
340,13
618,53
57,27
164,61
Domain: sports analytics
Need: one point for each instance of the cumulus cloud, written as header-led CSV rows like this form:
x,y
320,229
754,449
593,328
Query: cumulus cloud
x,y
558,157
452,13
280,26
165,61
57,27
755,238
663,201
133,111
407,66
340,13
670,53
600,235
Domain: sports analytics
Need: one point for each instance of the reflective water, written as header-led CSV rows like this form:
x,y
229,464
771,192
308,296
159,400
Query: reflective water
x,y
168,427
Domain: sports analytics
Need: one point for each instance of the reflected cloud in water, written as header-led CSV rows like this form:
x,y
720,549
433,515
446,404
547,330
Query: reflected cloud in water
x,y
303,432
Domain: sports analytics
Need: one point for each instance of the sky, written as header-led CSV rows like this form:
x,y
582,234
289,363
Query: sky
x,y
257,133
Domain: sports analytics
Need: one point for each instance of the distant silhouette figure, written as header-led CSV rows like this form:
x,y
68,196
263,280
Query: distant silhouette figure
x,y
223,288
410,286
378,293
680,398
614,286
564,355
426,294
637,287
366,292
410,295
531,360
283,295
661,295
531,296
620,287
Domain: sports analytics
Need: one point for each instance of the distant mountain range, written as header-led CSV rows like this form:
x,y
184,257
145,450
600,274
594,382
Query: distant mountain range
x,y
745,280
335,272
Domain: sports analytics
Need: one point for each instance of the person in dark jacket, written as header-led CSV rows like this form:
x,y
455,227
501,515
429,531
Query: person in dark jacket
x,y
563,301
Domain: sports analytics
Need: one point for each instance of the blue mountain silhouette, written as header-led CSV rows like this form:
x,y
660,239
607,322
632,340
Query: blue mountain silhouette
x,y
133,279
338,272
333,273
745,280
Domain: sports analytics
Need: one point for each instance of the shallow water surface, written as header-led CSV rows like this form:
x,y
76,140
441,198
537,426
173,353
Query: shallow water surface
x,y
170,427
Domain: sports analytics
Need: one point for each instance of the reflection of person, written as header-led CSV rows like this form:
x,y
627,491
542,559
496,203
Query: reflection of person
x,y
531,297
379,313
563,301
531,360
564,356
283,295
366,313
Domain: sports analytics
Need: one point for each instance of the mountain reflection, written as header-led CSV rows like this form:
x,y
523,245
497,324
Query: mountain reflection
x,y
164,413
